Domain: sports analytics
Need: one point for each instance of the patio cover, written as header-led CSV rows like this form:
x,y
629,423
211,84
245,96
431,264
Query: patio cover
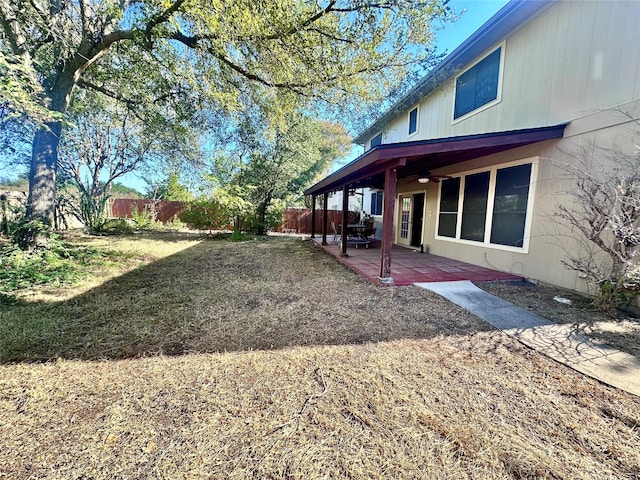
x,y
428,155
381,166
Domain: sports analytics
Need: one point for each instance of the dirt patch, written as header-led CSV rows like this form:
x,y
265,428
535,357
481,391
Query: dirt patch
x,y
617,329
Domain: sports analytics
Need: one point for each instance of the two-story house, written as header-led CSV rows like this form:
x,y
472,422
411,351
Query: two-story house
x,y
472,162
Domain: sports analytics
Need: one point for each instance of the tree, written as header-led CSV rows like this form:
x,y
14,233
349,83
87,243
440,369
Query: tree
x,y
283,155
172,189
603,216
103,143
198,53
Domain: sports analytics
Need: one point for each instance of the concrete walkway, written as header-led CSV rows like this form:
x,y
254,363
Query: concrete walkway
x,y
560,342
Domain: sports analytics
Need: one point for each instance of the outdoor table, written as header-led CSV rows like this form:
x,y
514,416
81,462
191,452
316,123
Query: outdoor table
x,y
355,229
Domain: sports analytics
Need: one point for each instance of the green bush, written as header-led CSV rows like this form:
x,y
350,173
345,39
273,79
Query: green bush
x,y
206,214
621,292
237,236
142,220
59,263
118,225
31,234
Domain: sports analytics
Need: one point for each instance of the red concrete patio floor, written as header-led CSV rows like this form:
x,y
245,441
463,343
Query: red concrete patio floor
x,y
408,266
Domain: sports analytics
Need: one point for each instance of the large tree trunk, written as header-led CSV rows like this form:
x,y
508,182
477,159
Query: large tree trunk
x,y
262,213
44,152
262,216
42,176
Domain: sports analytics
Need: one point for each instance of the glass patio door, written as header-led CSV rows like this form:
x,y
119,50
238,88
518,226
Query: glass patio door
x,y
404,232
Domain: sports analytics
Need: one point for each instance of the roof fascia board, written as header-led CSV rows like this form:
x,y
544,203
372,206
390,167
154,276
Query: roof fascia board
x,y
332,185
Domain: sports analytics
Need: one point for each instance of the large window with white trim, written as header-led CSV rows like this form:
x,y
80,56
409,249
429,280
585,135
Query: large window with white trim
x,y
490,207
448,216
510,205
474,206
478,86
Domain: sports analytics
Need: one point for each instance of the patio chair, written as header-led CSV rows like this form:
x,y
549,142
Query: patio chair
x,y
369,230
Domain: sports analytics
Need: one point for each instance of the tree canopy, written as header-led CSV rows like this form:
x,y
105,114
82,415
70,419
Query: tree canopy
x,y
277,161
196,58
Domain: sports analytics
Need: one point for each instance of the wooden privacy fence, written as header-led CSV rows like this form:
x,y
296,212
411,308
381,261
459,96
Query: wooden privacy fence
x,y
298,220
163,210
294,220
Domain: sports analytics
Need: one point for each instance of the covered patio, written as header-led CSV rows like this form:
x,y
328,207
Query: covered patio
x,y
410,266
381,167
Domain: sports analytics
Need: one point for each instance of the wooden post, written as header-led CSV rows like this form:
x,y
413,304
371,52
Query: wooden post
x,y
325,215
345,220
313,216
390,178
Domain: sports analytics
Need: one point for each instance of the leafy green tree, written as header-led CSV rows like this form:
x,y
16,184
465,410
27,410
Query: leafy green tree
x,y
283,155
172,189
197,56
103,143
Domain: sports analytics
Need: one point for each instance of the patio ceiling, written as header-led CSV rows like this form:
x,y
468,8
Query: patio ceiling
x,y
412,157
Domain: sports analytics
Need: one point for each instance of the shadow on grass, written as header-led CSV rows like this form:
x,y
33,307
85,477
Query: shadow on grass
x,y
225,296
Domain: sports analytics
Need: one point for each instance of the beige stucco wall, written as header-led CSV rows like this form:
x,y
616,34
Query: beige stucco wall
x,y
577,62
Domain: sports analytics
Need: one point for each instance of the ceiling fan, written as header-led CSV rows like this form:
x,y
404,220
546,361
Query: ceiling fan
x,y
426,177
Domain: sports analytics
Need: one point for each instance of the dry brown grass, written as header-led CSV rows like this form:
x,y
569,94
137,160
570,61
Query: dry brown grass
x,y
289,366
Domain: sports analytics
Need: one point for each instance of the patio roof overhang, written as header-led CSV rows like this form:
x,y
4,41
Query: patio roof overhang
x,y
412,157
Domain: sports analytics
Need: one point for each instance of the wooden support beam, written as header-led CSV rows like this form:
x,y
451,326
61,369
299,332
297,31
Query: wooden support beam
x,y
345,220
313,216
390,179
325,216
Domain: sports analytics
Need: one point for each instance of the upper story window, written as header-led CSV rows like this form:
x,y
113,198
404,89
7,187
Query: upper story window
x,y
413,121
375,141
478,86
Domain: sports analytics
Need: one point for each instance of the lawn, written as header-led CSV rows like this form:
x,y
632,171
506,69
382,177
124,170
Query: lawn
x,y
199,358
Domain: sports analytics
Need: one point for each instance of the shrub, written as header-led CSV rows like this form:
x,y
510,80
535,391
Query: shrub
x,y
59,263
206,214
118,225
31,234
142,220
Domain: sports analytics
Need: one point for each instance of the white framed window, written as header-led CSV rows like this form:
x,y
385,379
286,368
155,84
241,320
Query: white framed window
x,y
376,140
491,206
376,203
413,121
480,86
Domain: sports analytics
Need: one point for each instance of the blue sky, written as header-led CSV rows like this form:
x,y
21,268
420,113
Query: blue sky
x,y
476,12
